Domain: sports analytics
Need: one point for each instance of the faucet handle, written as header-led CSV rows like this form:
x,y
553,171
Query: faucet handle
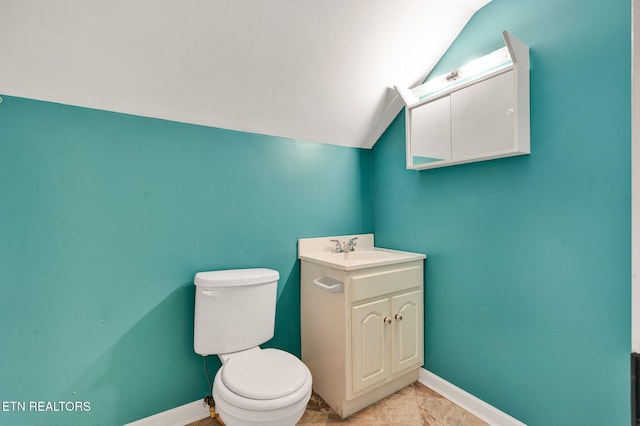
x,y
352,243
338,248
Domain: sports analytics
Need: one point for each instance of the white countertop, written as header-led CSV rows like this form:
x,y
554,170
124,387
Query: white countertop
x,y
365,255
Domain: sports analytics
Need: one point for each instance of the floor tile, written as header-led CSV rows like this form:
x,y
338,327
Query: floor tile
x,y
414,405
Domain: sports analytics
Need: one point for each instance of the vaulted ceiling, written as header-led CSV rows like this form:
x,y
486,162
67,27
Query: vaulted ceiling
x,y
311,70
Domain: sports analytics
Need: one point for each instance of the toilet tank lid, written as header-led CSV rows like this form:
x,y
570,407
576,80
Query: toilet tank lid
x,y
235,277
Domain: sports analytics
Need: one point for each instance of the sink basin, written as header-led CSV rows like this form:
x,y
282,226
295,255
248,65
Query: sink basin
x,y
363,255
360,259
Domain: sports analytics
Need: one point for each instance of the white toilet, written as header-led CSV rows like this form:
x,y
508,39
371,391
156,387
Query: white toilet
x,y
234,313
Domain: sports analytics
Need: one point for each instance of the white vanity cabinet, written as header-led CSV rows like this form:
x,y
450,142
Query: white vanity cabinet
x,y
367,341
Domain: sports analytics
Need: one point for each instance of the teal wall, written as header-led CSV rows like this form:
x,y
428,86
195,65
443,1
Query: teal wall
x,y
104,220
528,276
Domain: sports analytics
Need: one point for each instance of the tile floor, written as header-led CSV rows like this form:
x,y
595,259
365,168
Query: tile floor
x,y
414,405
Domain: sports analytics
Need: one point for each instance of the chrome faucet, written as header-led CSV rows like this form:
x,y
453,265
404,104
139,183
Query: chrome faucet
x,y
351,246
345,247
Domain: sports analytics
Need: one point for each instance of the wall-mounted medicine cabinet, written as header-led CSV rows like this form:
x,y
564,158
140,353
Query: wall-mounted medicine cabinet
x,y
477,112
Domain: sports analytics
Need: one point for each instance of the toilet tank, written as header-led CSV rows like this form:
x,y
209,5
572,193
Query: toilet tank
x,y
235,309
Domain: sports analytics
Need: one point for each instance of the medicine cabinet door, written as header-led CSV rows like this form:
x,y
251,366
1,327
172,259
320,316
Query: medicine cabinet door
x,y
483,117
430,132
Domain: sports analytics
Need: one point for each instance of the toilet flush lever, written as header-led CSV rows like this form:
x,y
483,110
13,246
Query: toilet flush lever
x,y
210,293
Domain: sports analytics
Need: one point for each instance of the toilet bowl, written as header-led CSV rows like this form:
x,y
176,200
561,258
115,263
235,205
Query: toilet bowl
x,y
234,314
262,387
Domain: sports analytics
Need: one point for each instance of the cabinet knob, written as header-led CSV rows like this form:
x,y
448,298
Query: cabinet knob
x,y
387,320
398,316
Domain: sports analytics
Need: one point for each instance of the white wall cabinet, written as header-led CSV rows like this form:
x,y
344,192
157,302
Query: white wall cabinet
x,y
477,112
368,341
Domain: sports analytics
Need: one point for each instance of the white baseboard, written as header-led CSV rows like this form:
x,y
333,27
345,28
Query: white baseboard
x,y
475,406
178,416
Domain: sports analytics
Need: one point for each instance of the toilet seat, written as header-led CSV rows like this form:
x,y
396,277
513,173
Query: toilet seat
x,y
264,374
301,394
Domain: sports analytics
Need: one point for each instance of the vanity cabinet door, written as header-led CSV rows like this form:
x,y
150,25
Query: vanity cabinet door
x,y
370,335
408,327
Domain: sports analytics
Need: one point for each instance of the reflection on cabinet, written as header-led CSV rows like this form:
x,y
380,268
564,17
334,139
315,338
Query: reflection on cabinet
x,y
367,342
477,112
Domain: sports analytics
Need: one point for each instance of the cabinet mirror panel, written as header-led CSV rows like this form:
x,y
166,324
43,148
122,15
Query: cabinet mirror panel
x,y
475,122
